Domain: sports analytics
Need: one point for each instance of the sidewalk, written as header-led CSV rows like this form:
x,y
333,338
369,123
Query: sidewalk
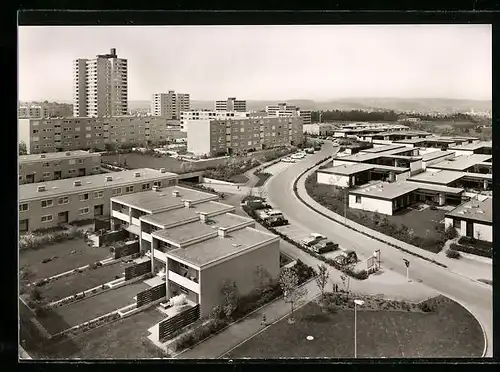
x,y
465,268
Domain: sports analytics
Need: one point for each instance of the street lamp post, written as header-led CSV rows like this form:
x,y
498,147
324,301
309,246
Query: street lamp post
x,y
377,256
407,264
356,303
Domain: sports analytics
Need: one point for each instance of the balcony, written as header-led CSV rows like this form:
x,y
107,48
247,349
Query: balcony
x,y
120,215
147,237
184,281
135,221
159,255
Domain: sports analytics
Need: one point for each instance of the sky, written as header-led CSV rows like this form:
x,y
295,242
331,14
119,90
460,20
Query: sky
x,y
320,63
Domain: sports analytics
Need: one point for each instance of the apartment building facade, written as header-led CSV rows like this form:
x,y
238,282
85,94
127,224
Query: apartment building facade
x,y
49,110
71,133
231,104
192,116
58,165
284,109
240,135
170,105
100,86
196,243
49,204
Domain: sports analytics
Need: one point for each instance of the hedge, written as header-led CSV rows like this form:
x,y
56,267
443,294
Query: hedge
x,y
472,250
34,240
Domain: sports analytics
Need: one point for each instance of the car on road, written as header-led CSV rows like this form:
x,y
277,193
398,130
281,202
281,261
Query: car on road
x,y
346,257
288,160
312,239
324,246
310,150
276,221
298,155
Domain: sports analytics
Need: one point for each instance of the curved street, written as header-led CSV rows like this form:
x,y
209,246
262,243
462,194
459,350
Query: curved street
x,y
476,297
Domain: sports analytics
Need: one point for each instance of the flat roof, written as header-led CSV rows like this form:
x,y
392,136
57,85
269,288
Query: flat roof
x,y
51,156
347,169
405,132
435,154
151,201
182,213
439,140
481,176
390,168
362,157
411,140
473,146
211,250
442,177
481,211
461,163
382,148
386,190
89,183
439,188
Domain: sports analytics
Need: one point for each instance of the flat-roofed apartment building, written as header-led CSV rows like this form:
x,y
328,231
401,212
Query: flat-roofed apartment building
x,y
237,136
231,104
473,148
319,129
188,117
196,243
170,105
58,165
51,203
72,133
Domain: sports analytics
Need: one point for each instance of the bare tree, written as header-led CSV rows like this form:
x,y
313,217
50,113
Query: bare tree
x,y
292,293
230,293
322,279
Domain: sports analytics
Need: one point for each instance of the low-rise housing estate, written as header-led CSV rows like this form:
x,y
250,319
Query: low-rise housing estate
x,y
48,204
57,165
473,219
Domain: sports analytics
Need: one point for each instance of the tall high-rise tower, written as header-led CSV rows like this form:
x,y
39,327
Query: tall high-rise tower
x,y
100,86
170,105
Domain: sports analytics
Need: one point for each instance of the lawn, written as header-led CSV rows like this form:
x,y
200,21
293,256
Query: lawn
x,y
449,332
123,339
284,259
239,178
262,178
424,227
66,260
73,314
76,283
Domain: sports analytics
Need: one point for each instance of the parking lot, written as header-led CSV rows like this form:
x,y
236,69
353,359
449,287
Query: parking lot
x,y
65,256
82,311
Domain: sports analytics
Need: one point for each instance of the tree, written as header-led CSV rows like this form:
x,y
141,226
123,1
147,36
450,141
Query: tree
x,y
262,278
22,148
322,279
230,294
292,293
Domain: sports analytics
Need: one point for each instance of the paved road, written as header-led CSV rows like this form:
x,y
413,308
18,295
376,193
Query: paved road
x,y
474,296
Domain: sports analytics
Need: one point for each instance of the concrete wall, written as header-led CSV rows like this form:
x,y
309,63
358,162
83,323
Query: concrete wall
x,y
402,176
23,130
437,160
332,179
241,270
371,204
462,152
481,232
35,211
337,162
416,165
199,137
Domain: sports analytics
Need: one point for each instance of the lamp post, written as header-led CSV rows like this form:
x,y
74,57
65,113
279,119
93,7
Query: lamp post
x,y
356,304
376,254
407,264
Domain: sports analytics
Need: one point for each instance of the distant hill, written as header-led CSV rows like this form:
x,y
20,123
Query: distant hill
x,y
397,104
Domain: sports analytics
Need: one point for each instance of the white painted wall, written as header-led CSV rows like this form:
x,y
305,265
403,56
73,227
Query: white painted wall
x,y
332,179
483,232
437,160
415,165
341,162
402,176
448,222
462,152
24,133
198,137
371,204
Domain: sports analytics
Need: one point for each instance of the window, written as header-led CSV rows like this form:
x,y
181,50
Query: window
x,y
47,174
84,197
183,266
456,223
71,171
47,203
117,191
129,188
183,290
98,194
146,186
45,165
157,183
72,161
358,199
63,200
80,161
46,218
24,207
85,210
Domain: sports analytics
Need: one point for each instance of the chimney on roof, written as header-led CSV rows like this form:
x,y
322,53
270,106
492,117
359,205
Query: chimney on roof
x,y
163,170
68,153
109,178
222,231
40,188
187,203
43,156
77,183
175,193
203,217
137,174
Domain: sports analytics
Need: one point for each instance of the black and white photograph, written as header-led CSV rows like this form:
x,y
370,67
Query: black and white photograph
x,y
253,192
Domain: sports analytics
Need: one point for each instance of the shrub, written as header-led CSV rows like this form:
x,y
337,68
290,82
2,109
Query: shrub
x,y
451,253
428,306
35,294
472,250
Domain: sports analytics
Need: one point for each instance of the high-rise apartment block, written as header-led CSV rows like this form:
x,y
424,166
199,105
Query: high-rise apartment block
x,y
170,105
188,117
72,133
231,104
100,86
44,110
240,135
283,109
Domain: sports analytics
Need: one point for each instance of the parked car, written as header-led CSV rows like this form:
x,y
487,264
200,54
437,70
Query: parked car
x,y
312,239
310,150
324,246
276,221
346,257
288,160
